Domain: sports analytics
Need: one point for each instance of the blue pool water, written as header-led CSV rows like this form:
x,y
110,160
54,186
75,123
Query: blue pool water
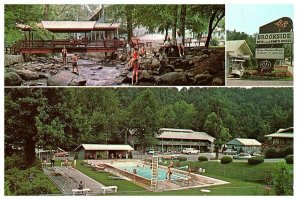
x,y
146,172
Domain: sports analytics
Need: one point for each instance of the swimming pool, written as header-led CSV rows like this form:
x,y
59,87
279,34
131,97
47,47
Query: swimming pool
x,y
146,172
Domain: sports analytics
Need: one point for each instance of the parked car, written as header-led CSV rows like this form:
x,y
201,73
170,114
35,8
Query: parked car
x,y
170,155
61,154
229,152
152,152
242,156
256,153
190,151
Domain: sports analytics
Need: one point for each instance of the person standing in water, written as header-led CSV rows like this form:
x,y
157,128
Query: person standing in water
x,y
64,55
74,63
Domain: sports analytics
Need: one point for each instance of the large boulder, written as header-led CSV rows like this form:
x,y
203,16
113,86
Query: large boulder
x,y
217,81
203,79
12,59
155,63
144,76
27,74
166,69
65,78
172,78
123,57
12,79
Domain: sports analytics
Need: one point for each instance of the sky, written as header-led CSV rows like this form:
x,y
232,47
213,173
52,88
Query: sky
x,y
248,18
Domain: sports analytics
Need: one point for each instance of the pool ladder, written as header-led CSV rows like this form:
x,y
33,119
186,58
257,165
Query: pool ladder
x,y
154,179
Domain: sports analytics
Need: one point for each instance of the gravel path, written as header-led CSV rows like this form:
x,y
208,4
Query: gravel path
x,y
68,179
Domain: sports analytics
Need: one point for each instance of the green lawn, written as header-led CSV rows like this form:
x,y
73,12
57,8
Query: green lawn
x,y
244,179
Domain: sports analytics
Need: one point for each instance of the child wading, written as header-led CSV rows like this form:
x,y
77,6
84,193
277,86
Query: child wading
x,y
135,66
64,55
74,63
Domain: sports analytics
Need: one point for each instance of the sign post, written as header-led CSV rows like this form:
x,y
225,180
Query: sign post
x,y
269,43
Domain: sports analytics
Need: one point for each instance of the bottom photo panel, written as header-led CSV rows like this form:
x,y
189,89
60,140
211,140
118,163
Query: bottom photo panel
x,y
149,141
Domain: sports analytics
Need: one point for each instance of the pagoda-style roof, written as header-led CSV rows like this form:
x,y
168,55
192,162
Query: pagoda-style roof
x,y
72,26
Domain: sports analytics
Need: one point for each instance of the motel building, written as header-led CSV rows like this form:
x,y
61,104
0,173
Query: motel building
x,y
282,136
171,140
237,52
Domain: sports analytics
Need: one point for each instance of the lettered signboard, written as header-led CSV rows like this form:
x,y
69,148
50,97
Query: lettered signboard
x,y
270,40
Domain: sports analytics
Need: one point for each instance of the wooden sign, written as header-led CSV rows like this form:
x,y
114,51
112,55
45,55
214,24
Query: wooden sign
x,y
269,53
272,36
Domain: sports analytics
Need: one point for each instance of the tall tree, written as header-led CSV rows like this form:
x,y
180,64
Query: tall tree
x,y
143,115
213,126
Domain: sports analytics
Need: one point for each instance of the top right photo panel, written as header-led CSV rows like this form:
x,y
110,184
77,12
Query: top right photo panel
x,y
259,45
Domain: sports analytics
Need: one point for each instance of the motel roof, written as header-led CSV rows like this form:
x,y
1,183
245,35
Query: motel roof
x,y
72,26
283,133
244,141
168,133
105,147
233,46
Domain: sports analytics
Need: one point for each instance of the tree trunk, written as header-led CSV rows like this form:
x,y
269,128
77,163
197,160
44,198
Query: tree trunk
x,y
29,151
217,153
129,9
174,24
210,29
182,22
215,16
46,12
166,35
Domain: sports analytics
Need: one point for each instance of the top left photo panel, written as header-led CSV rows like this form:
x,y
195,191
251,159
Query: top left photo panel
x,y
114,45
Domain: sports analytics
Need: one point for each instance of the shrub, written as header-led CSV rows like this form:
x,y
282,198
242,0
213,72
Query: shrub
x,y
202,158
289,159
279,152
288,151
271,153
182,158
226,159
282,179
17,182
256,160
13,161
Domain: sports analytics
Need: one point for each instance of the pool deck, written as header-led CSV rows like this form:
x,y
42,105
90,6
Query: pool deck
x,y
195,180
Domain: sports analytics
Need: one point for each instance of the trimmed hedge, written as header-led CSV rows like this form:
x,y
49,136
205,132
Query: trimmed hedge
x,y
182,158
289,159
273,152
226,159
256,160
202,158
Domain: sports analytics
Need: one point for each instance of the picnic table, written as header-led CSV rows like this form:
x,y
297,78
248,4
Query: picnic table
x,y
114,188
83,191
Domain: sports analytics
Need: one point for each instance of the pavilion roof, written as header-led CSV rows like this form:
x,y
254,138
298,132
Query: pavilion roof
x,y
72,26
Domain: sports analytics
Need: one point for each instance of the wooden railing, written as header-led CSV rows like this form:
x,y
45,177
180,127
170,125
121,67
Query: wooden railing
x,y
51,44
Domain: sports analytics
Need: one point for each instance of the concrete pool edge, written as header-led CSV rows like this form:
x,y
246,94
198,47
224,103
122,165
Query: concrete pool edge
x,y
200,181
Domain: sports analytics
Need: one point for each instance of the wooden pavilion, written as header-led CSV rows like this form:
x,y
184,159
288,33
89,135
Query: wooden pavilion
x,y
88,42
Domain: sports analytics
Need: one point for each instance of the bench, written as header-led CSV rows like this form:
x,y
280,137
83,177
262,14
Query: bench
x,y
114,188
188,41
84,190
46,164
